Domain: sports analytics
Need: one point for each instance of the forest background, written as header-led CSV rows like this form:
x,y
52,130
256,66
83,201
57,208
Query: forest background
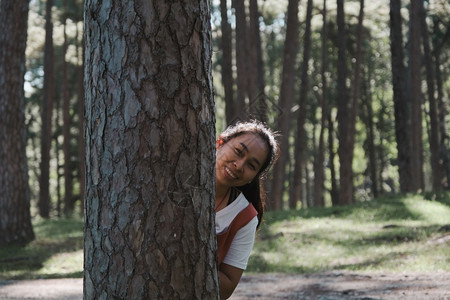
x,y
358,92
355,121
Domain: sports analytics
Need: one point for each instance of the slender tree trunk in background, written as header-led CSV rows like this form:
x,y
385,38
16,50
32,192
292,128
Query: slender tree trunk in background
x,y
319,176
68,199
285,102
227,62
334,193
415,94
444,154
150,144
380,156
434,134
47,107
258,105
370,132
344,104
402,132
438,43
81,129
348,191
15,219
300,144
242,56
56,154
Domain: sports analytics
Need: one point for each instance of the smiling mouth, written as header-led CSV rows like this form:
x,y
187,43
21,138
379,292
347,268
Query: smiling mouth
x,y
230,173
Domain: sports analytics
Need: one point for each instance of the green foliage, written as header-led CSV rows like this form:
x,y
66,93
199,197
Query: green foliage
x,y
57,252
388,234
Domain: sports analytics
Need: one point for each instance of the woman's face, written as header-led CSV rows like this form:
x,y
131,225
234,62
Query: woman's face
x,y
239,160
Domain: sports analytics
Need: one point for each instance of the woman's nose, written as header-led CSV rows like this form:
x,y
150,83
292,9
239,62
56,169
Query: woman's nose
x,y
238,164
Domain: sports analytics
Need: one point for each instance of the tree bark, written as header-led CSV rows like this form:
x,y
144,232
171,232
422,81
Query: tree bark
x,y
401,111
15,219
415,95
301,117
150,144
47,107
285,101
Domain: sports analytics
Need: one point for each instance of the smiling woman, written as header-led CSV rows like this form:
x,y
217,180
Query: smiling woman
x,y
245,152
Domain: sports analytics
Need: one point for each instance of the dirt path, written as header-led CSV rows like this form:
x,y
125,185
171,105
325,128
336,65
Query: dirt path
x,y
324,286
339,285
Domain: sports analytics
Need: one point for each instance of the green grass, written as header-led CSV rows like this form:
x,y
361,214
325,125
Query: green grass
x,y
57,252
398,234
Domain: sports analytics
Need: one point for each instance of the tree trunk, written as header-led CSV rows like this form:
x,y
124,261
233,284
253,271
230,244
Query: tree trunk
x,y
242,55
81,141
444,153
227,63
319,175
401,113
370,132
345,151
257,104
434,134
150,144
415,94
68,199
15,219
300,144
334,187
285,101
47,107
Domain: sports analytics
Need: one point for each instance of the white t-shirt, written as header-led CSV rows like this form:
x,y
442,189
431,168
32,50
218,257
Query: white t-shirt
x,y
242,244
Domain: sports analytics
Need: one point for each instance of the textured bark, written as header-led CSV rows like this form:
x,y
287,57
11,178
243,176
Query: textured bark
x,y
15,219
149,231
46,111
319,172
415,95
433,135
285,102
344,104
227,62
242,68
300,144
401,106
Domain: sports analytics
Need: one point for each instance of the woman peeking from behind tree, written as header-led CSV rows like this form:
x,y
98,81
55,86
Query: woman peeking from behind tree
x,y
245,152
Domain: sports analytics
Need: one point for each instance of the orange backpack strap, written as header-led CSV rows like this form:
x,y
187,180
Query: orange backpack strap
x,y
225,239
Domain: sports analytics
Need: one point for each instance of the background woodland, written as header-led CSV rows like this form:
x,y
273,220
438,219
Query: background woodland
x,y
358,91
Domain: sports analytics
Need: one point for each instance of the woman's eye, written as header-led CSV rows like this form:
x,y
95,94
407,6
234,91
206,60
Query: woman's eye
x,y
252,167
238,151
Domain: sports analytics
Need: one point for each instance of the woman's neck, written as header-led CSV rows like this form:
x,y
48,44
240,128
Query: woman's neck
x,y
221,191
